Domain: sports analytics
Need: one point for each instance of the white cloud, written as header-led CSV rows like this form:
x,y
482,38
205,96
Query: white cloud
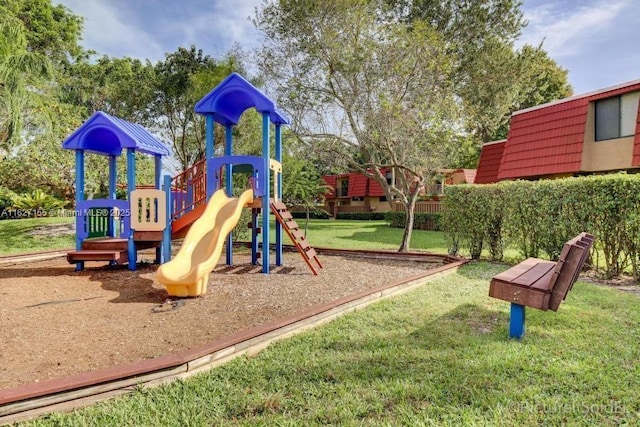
x,y
568,32
107,32
218,23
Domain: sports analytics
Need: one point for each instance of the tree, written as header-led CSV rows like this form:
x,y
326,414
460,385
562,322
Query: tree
x,y
107,84
36,39
183,78
365,90
18,66
51,30
492,78
302,185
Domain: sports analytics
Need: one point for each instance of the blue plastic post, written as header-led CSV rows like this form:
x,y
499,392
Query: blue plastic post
x,y
228,152
211,178
131,186
112,193
278,195
80,216
254,237
517,321
158,182
267,188
166,234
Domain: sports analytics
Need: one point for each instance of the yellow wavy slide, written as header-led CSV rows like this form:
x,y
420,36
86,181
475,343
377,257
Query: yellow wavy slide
x,y
187,274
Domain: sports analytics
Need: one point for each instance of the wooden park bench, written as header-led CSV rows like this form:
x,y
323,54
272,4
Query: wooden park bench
x,y
539,283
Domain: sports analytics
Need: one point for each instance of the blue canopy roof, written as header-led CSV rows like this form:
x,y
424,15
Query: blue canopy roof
x,y
108,135
227,101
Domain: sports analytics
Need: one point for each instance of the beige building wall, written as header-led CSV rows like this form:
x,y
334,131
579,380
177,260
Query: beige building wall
x,y
612,154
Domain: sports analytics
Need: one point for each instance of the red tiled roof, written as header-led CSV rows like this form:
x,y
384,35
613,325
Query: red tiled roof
x,y
331,181
357,185
489,163
375,189
547,139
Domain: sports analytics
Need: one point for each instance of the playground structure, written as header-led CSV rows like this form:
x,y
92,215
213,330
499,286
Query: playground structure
x,y
114,230
187,275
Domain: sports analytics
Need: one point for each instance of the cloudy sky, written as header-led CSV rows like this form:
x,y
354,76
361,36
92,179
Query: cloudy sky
x,y
594,39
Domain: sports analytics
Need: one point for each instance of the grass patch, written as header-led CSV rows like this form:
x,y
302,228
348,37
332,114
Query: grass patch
x,y
438,355
18,235
341,234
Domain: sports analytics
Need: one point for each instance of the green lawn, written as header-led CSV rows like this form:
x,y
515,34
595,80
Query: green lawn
x,y
343,234
16,235
436,356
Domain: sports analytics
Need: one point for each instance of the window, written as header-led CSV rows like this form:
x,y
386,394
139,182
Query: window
x,y
389,177
616,116
382,198
344,188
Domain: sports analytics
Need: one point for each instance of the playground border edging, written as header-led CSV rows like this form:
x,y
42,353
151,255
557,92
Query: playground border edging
x,y
80,390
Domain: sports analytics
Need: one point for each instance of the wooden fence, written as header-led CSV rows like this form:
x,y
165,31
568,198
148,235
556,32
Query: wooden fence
x,y
424,206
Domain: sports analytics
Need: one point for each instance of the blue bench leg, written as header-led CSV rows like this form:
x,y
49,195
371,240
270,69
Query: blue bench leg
x,y
516,322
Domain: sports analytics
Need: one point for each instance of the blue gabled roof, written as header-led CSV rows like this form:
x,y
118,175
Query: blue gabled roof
x,y
227,101
108,135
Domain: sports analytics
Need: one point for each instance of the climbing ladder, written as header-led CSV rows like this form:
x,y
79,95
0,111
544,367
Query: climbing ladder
x,y
296,235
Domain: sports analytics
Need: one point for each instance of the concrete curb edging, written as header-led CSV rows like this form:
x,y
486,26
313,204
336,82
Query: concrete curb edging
x,y
65,394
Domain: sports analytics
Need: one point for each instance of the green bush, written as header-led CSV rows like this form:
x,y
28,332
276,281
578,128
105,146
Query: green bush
x,y
472,218
537,217
361,216
421,221
6,198
316,214
37,203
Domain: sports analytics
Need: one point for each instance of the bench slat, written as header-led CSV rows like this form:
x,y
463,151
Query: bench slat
x,y
567,275
543,283
517,270
535,274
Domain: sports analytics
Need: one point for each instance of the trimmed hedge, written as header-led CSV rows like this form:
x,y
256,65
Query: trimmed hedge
x,y
539,216
361,216
312,215
421,221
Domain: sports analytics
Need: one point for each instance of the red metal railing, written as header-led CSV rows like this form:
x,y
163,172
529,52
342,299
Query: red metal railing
x,y
189,189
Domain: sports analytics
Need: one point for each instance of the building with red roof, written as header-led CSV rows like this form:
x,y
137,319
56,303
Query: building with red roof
x,y
590,133
353,192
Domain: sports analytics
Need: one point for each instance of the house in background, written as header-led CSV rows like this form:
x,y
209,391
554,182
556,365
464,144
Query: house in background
x,y
597,132
355,193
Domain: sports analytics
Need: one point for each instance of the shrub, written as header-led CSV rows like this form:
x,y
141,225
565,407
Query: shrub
x,y
37,202
6,198
315,214
421,221
472,217
361,216
537,217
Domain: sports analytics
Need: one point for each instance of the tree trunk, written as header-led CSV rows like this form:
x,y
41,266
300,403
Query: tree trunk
x,y
409,216
306,223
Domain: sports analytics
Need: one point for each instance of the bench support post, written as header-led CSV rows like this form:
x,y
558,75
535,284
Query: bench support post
x,y
516,321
